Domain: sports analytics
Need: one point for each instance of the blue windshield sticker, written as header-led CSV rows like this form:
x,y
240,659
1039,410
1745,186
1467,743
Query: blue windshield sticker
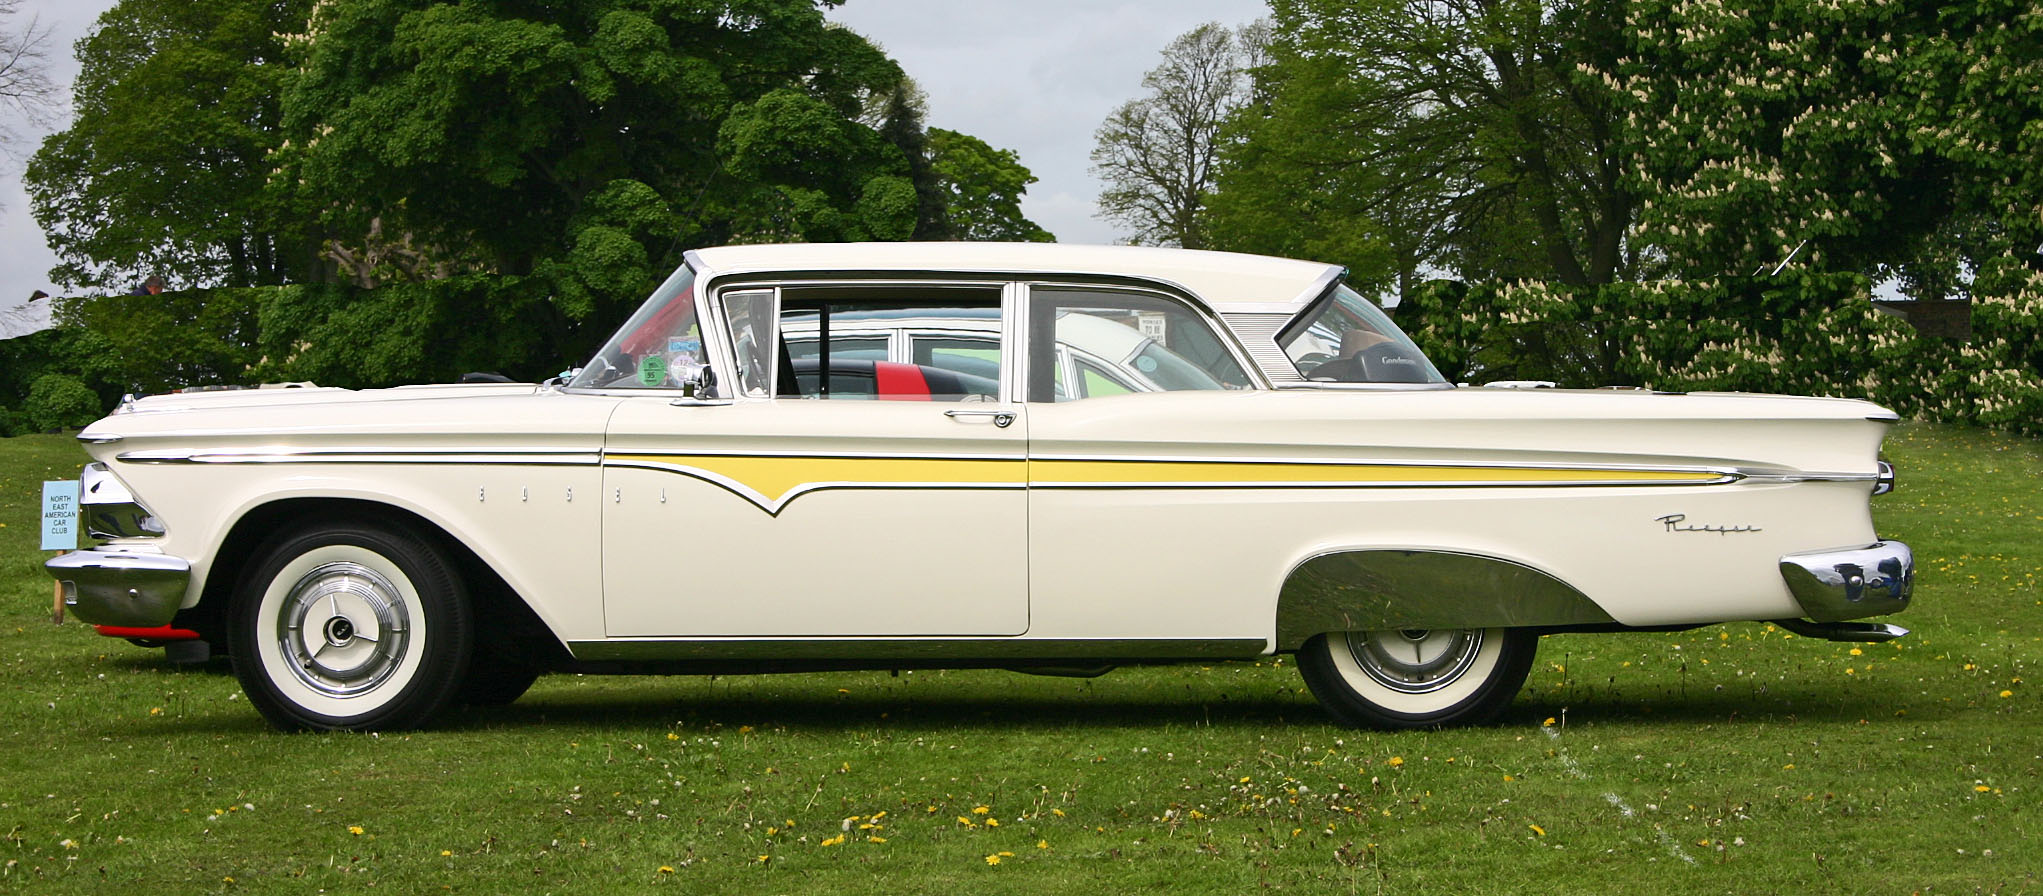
x,y
683,345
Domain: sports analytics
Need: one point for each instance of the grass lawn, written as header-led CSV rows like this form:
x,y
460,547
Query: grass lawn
x,y
1732,759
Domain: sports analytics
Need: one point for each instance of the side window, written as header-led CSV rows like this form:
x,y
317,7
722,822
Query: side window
x,y
871,342
1088,343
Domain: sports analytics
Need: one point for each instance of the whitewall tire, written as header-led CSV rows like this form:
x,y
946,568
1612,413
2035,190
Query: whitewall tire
x,y
1417,678
350,626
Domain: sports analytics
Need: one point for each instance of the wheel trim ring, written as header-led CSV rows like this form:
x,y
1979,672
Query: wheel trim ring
x,y
327,614
1376,655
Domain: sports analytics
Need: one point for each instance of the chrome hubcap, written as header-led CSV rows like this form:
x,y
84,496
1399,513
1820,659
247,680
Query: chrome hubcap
x,y
343,628
1416,661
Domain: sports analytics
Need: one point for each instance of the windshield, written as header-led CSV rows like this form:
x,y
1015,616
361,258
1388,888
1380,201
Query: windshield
x,y
659,348
1345,338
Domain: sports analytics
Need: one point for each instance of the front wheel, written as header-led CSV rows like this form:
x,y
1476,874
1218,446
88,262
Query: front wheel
x,y
1417,678
350,626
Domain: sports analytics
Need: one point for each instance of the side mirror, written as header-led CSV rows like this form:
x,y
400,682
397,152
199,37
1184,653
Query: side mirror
x,y
698,388
698,382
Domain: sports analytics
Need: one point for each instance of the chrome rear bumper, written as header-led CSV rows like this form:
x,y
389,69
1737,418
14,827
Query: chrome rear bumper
x,y
1851,583
111,586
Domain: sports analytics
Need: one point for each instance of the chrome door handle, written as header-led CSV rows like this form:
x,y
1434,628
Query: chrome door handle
x,y
1000,418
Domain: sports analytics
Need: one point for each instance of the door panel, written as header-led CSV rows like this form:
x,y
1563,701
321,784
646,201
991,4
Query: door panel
x,y
795,517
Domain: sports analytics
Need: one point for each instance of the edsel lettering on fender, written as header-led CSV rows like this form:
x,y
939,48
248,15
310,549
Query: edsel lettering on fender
x,y
1033,457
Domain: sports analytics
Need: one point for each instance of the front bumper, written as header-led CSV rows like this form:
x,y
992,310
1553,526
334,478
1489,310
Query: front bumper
x,y
1851,583
112,586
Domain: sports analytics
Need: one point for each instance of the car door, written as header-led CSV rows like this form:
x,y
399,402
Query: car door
x,y
822,496
1133,533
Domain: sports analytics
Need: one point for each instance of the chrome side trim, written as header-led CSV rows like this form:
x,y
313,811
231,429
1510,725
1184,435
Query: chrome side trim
x,y
1851,583
526,457
1758,476
1380,589
99,438
112,586
915,649
773,505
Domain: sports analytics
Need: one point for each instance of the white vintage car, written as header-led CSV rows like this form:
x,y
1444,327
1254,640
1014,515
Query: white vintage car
x,y
1036,457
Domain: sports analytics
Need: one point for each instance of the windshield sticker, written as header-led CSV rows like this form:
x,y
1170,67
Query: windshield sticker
x,y
652,370
691,346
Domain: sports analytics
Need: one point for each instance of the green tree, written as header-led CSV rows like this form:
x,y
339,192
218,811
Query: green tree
x,y
1157,154
57,402
1416,138
588,142
163,170
1891,137
982,189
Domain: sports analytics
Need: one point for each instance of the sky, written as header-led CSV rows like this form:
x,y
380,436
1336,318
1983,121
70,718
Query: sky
x,y
1033,76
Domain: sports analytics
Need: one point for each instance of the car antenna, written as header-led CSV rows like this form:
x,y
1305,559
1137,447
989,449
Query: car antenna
x,y
1784,262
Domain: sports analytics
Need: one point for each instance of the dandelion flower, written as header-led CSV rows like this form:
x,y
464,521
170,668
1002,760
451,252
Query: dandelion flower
x,y
355,829
992,860
666,869
981,810
1394,761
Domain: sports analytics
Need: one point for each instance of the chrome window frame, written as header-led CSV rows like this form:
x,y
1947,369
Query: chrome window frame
x,y
1328,285
731,284
1258,380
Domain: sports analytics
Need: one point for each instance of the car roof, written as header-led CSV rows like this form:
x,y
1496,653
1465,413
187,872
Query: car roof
x,y
1229,282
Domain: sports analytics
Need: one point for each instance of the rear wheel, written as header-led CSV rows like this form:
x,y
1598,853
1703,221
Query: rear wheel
x,y
350,626
1417,678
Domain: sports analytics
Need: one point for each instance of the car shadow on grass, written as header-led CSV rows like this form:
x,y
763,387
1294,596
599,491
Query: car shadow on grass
x,y
823,715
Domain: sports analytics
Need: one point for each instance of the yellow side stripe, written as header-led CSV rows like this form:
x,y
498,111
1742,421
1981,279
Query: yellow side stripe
x,y
775,478
1096,472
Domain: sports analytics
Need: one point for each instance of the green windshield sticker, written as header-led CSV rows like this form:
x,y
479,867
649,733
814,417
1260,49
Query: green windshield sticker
x,y
652,370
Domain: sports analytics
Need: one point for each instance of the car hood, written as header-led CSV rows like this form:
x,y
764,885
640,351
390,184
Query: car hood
x,y
481,415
